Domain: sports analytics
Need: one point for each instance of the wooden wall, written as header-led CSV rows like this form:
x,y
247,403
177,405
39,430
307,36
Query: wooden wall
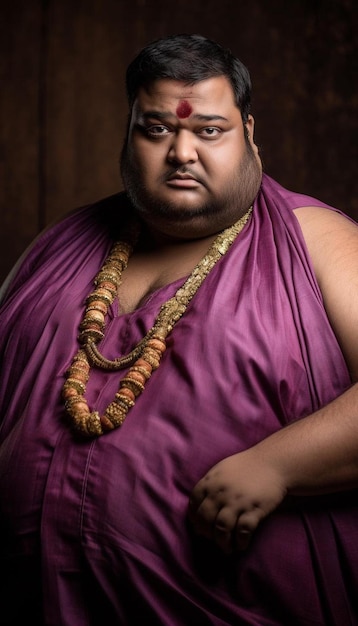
x,y
63,110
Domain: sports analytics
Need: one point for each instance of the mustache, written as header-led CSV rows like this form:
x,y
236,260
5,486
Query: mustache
x,y
183,170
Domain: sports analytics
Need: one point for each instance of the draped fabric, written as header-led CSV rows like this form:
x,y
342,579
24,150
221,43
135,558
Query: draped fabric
x,y
95,532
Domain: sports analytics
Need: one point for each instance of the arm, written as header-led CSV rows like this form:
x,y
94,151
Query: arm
x,y
317,454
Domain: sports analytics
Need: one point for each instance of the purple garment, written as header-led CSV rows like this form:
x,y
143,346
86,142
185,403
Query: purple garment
x,y
105,520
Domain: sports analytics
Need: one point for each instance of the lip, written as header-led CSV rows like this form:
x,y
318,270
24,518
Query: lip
x,y
183,181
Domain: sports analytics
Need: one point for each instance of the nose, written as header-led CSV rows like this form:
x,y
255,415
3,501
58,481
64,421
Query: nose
x,y
183,147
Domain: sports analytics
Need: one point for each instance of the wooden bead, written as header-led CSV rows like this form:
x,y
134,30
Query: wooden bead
x,y
96,316
144,365
157,344
97,305
134,375
127,393
106,423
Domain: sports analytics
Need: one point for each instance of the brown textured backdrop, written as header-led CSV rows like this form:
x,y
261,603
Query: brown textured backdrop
x,y
63,110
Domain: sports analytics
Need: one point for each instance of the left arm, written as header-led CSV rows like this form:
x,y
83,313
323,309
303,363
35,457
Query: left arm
x,y
316,454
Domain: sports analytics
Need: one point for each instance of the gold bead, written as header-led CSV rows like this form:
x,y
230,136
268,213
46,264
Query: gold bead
x,y
97,305
137,376
133,385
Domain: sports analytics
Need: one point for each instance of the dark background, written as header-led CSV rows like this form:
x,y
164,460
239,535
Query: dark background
x,y
63,110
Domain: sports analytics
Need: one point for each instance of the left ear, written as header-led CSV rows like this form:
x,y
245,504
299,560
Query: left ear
x,y
249,129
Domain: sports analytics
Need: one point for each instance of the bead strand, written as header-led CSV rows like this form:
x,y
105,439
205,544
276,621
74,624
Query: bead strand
x,y
145,358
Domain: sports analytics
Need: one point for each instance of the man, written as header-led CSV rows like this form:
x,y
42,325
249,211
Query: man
x,y
179,440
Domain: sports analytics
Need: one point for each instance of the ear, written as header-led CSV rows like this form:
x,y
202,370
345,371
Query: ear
x,y
250,127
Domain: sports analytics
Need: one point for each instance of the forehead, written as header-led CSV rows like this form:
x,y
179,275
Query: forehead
x,y
211,96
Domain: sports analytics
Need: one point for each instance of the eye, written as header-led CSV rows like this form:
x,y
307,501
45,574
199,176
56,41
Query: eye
x,y
210,132
157,130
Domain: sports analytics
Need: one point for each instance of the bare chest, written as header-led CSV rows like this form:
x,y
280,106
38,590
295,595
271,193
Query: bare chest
x,y
148,272
138,284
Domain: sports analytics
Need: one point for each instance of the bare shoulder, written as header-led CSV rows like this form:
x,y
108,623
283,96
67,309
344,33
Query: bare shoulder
x,y
332,242
322,226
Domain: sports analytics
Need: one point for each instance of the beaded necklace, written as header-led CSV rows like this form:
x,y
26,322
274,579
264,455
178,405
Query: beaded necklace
x,y
146,356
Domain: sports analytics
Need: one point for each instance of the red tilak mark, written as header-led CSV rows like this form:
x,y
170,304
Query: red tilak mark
x,y
184,109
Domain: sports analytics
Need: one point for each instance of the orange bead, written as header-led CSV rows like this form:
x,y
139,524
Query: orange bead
x,y
127,393
104,293
98,305
80,407
108,286
152,357
81,365
96,316
78,375
136,376
68,392
132,384
144,364
106,423
157,344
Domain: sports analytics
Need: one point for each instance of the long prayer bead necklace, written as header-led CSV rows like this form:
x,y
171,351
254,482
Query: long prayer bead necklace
x,y
146,356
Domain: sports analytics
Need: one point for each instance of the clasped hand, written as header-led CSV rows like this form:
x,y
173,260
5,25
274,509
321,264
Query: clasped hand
x,y
230,501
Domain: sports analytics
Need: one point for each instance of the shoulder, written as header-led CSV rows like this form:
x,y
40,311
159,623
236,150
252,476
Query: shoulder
x,y
331,237
287,199
81,228
332,242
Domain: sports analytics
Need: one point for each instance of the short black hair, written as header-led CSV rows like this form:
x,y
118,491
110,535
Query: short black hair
x,y
189,59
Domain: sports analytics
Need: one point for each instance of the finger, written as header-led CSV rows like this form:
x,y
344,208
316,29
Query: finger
x,y
204,517
245,527
224,527
242,539
223,539
198,494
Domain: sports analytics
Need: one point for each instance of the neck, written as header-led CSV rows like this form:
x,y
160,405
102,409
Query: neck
x,y
155,241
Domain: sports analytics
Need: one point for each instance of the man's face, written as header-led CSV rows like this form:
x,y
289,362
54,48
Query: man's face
x,y
186,164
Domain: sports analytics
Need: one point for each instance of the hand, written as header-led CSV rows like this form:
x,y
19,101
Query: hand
x,y
230,501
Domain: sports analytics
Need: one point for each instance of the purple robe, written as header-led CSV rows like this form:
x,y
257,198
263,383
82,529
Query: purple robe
x,y
95,532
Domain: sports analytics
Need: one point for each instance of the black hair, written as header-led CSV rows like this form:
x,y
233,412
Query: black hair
x,y
189,59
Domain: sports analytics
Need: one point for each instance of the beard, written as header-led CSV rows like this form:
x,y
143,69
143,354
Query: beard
x,y
221,210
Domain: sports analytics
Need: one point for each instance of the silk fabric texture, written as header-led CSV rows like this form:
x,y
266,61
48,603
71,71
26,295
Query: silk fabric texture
x,y
105,520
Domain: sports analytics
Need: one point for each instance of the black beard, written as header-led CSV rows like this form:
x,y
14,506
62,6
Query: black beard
x,y
239,195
